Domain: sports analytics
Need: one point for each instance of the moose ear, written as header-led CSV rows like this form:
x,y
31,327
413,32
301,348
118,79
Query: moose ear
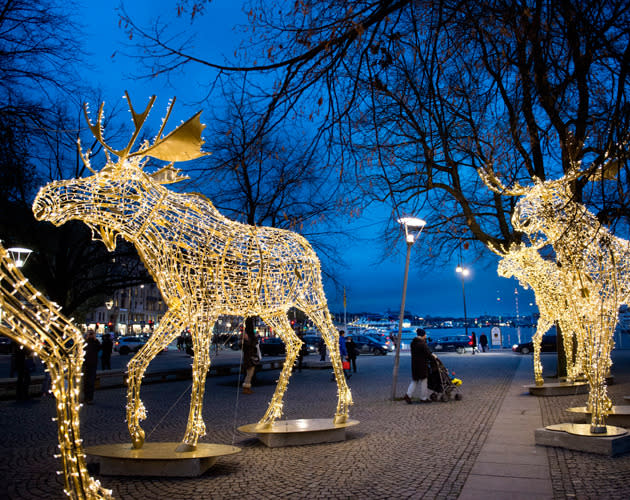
x,y
168,175
182,144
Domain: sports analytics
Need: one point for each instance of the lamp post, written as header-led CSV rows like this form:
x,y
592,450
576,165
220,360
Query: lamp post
x,y
463,272
413,227
19,255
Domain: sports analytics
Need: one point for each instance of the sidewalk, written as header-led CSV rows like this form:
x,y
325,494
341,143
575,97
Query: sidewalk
x,y
509,464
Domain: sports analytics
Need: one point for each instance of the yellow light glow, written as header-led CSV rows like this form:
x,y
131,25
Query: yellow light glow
x,y
204,264
594,266
33,321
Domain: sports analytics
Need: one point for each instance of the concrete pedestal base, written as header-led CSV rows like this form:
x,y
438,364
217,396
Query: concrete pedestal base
x,y
157,459
299,432
619,415
558,389
560,436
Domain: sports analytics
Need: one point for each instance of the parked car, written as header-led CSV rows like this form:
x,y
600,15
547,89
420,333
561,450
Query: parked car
x,y
125,345
452,343
383,339
272,346
547,344
369,345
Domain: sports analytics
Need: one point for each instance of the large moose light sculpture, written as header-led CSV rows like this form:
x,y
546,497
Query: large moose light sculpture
x,y
35,323
595,263
204,264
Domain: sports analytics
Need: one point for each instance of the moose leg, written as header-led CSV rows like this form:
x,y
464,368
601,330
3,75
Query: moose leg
x,y
166,332
323,322
201,337
280,324
542,327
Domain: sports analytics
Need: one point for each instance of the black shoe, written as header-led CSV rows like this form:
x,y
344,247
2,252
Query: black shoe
x,y
408,399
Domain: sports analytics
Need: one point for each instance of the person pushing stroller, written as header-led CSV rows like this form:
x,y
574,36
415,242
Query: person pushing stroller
x,y
420,356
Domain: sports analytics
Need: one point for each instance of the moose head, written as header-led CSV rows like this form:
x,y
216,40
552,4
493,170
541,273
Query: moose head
x,y
119,198
547,210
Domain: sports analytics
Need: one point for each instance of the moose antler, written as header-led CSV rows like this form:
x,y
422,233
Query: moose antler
x,y
182,144
490,179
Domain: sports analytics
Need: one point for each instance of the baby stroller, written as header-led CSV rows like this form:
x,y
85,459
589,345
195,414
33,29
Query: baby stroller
x,y
444,386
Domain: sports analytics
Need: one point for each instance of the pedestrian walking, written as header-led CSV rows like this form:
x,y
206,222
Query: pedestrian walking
x,y
322,349
106,352
251,355
483,342
345,362
420,355
351,347
303,352
90,364
474,343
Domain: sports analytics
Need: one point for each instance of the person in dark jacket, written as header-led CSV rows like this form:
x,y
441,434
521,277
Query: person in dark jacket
x,y
483,342
420,355
351,347
322,349
251,356
106,352
90,364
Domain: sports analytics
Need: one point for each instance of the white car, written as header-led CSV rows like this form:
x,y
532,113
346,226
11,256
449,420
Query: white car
x,y
125,345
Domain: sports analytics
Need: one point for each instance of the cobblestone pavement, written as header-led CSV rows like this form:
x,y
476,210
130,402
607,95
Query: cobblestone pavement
x,y
397,450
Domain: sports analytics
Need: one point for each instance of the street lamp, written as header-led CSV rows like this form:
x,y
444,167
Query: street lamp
x,y
413,227
19,255
463,272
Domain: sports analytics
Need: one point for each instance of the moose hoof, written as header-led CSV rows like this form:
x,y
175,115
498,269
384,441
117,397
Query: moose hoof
x,y
340,419
137,439
185,448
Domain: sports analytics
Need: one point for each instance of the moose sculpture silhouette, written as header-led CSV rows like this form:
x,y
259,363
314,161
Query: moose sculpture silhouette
x,y
204,264
595,263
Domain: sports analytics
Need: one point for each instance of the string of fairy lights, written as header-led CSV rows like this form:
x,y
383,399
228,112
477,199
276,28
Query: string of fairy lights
x,y
593,275
28,318
551,293
204,264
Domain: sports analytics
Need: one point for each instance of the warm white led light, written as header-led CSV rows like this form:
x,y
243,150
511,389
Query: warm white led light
x,y
204,264
35,322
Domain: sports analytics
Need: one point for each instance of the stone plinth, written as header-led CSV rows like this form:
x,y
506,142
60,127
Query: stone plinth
x,y
558,389
618,416
299,432
157,459
576,437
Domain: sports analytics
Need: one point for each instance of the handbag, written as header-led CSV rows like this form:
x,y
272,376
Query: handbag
x,y
345,365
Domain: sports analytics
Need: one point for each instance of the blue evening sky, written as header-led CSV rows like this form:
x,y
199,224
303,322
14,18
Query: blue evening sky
x,y
371,283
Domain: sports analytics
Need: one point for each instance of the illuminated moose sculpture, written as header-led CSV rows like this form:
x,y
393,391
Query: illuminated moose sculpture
x,y
596,265
34,322
552,298
204,264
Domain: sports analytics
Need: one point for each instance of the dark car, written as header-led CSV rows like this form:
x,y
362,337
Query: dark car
x,y
125,345
272,346
452,343
312,343
369,345
547,344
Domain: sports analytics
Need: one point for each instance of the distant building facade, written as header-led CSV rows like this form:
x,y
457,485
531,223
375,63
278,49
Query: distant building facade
x,y
131,311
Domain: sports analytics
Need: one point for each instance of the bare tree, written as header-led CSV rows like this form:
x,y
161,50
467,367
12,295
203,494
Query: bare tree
x,y
269,177
416,96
